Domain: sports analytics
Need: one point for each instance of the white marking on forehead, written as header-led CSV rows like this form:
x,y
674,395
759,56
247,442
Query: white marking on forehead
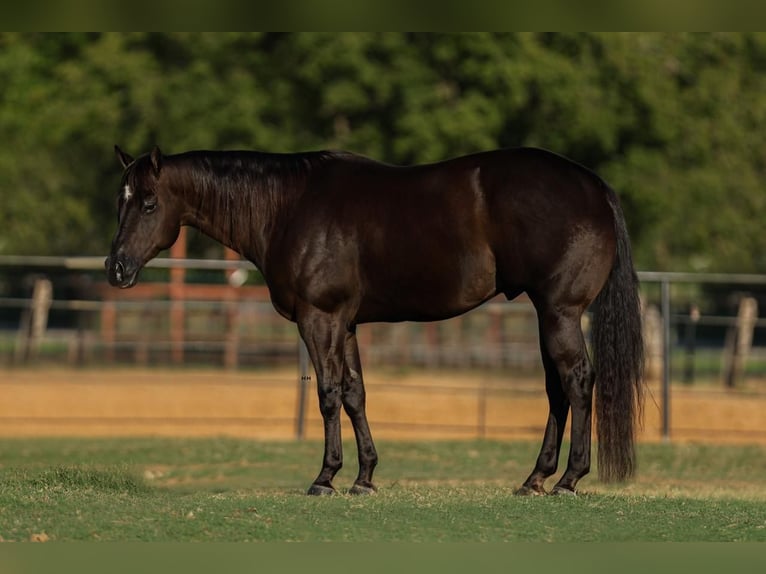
x,y
127,193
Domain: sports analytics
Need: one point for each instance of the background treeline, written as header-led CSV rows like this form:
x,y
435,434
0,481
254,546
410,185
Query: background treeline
x,y
675,122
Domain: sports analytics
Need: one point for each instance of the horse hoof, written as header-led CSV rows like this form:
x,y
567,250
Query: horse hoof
x,y
561,491
528,491
319,490
362,489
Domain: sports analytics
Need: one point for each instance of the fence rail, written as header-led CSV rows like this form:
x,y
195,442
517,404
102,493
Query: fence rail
x,y
245,330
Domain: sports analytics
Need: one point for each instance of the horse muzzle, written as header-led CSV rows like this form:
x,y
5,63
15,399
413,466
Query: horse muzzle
x,y
122,272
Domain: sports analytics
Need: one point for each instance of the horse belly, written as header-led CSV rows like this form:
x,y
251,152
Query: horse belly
x,y
427,286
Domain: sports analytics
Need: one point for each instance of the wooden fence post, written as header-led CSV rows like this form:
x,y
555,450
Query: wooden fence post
x,y
739,341
178,301
34,321
690,343
653,342
109,329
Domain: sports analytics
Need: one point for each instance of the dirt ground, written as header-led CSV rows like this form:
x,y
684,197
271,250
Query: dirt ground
x,y
264,405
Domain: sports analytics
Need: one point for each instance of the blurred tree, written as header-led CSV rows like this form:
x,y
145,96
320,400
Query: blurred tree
x,y
671,120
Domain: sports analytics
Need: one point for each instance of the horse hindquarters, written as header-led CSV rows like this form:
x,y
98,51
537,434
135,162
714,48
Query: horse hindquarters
x,y
618,360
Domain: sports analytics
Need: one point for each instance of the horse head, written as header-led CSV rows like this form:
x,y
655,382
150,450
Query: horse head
x,y
148,217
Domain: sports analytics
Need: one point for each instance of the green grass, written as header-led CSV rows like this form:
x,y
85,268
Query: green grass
x,y
708,363
236,490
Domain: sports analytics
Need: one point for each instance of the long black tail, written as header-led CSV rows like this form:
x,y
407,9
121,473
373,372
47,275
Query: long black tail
x,y
618,356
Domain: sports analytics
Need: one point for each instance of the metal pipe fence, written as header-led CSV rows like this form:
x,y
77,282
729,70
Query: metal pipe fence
x,y
238,329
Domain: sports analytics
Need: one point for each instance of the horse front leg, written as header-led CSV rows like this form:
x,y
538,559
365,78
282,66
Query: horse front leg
x,y
324,336
354,399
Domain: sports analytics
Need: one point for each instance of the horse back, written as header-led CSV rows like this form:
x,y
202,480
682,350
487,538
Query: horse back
x,y
432,241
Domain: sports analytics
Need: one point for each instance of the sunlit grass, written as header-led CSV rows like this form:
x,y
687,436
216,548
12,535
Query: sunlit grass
x,y
236,490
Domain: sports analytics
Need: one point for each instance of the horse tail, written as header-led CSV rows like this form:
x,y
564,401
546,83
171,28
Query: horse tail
x,y
618,356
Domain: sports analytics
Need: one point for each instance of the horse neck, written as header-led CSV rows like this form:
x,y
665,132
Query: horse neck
x,y
240,211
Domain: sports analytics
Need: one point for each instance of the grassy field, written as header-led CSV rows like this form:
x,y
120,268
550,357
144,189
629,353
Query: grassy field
x,y
236,490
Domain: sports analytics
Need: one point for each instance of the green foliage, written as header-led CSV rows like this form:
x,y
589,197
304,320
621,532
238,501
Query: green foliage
x,y
672,120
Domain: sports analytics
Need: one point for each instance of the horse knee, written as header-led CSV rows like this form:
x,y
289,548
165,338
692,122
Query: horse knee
x,y
329,401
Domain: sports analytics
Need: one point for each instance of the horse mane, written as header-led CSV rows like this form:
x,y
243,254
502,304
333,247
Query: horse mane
x,y
241,192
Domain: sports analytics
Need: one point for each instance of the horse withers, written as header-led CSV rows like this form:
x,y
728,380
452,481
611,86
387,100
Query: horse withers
x,y
341,240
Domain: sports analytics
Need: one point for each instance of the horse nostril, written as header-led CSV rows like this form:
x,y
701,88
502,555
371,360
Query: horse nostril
x,y
119,271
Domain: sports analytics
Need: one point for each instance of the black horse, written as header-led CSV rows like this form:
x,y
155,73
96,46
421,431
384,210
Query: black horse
x,y
343,240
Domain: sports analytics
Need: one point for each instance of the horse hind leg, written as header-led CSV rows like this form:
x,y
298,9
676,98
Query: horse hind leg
x,y
579,386
558,405
565,358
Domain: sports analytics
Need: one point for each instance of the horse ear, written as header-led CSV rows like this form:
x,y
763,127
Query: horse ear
x,y
124,158
156,159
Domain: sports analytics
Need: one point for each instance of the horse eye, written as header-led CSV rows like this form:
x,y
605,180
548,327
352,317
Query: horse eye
x,y
149,205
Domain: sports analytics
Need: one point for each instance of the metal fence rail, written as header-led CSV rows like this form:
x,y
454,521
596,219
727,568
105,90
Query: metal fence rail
x,y
496,336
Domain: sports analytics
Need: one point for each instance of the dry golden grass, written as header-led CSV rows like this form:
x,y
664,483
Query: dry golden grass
x,y
263,404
